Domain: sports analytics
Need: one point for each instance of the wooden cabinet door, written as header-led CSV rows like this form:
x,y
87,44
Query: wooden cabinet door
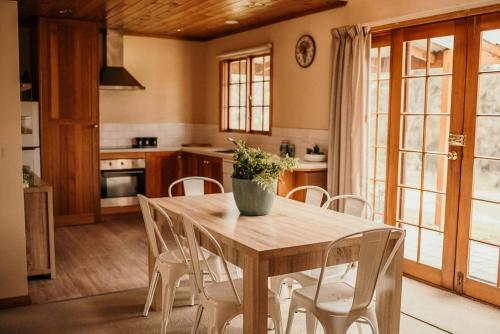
x,y
161,171
213,170
68,74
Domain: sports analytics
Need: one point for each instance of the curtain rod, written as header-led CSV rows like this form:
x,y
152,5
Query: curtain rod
x,y
246,52
479,7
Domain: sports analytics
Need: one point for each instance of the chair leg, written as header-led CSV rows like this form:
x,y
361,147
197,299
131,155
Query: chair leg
x,y
168,289
289,283
216,325
291,314
275,313
311,323
151,292
371,318
197,319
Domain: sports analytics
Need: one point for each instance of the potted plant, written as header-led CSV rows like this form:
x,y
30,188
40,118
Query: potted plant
x,y
255,178
314,154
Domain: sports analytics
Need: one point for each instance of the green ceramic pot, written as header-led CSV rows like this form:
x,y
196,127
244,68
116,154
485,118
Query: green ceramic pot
x,y
251,199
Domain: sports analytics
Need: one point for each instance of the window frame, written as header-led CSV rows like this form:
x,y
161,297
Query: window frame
x,y
224,94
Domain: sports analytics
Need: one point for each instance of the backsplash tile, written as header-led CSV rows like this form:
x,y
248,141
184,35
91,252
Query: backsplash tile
x,y
175,134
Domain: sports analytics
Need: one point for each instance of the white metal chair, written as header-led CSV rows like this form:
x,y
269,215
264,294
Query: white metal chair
x,y
313,195
194,185
171,264
221,300
338,305
352,205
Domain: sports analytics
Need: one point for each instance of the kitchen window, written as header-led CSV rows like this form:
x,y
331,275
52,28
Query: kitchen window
x,y
246,88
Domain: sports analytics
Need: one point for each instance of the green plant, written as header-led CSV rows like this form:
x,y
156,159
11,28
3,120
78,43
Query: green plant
x,y
258,166
314,150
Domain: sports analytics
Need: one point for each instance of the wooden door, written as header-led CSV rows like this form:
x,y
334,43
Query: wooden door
x,y
68,74
427,76
478,246
210,167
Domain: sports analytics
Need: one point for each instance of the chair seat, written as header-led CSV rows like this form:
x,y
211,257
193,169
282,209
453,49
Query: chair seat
x,y
222,291
334,298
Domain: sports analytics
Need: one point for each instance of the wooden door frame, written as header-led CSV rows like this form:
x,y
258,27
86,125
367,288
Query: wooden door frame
x,y
445,276
463,284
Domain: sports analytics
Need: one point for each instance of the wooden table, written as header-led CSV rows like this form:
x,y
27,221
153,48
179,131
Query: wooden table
x,y
291,238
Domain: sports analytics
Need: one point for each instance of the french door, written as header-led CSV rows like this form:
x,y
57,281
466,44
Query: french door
x,y
443,152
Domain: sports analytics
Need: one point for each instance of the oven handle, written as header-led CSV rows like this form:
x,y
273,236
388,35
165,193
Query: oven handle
x,y
109,173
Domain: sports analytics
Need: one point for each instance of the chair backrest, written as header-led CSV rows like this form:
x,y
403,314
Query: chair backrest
x,y
372,263
175,235
314,194
190,227
352,205
152,231
194,185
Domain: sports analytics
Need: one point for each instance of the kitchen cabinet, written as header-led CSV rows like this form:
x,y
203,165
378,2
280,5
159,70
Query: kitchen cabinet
x,y
201,165
162,168
302,177
39,224
69,113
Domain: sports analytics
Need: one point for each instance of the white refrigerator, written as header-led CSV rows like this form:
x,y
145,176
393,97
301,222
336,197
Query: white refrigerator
x,y
30,130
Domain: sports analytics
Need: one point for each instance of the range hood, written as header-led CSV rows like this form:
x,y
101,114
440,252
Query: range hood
x,y
113,75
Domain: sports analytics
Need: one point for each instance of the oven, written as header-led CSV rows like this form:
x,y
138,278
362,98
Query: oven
x,y
121,181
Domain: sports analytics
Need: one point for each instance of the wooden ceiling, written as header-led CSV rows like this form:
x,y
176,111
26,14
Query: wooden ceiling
x,y
184,19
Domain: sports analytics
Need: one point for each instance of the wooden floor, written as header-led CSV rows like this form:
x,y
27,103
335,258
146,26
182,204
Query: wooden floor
x,y
96,259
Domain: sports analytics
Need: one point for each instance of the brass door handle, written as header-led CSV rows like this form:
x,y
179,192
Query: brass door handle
x,y
452,155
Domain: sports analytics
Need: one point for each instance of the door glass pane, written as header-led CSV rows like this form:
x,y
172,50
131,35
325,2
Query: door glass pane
x,y
483,262
415,57
441,55
382,130
412,132
431,248
487,179
411,169
411,242
439,94
488,136
488,101
435,127
379,197
490,49
435,172
433,215
381,159
414,95
385,62
409,205
486,222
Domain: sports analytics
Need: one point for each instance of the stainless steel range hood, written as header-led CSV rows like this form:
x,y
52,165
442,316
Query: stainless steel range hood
x,y
113,75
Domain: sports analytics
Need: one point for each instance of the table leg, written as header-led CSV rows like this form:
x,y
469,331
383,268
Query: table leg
x,y
255,287
389,296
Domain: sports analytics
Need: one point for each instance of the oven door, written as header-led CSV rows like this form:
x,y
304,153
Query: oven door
x,y
120,187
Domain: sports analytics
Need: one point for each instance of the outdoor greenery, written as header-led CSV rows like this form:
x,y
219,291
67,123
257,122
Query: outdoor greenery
x,y
261,167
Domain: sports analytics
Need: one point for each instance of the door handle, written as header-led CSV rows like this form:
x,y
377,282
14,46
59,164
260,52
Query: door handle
x,y
452,155
95,126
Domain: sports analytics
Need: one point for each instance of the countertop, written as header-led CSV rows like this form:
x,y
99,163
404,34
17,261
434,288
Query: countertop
x,y
214,152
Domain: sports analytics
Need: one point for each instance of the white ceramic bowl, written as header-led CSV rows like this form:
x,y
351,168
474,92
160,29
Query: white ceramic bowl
x,y
315,157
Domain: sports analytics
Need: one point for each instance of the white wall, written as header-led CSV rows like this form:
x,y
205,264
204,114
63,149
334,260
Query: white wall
x,y
301,96
13,274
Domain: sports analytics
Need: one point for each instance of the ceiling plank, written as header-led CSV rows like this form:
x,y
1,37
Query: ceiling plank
x,y
182,19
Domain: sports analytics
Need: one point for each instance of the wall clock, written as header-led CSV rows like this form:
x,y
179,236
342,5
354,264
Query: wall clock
x,y
305,50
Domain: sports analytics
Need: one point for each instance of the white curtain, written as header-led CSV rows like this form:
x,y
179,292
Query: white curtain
x,y
348,139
